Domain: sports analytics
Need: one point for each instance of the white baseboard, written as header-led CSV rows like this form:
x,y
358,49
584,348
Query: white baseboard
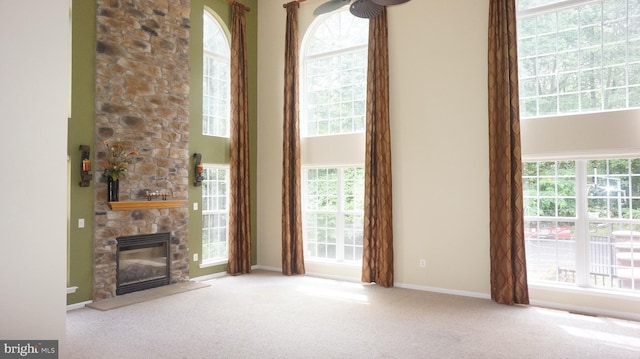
x,y
335,277
273,269
221,274
444,291
209,276
78,305
399,285
312,274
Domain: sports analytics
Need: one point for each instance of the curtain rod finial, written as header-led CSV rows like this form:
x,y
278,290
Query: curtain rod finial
x,y
291,2
246,8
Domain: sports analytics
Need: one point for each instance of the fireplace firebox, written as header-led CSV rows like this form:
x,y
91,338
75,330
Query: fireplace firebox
x,y
142,262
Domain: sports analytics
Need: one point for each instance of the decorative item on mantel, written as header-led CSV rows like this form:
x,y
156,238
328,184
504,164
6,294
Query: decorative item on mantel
x,y
157,194
197,169
115,166
85,166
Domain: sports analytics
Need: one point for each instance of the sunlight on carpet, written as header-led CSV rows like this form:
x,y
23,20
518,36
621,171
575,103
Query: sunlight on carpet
x,y
335,292
622,341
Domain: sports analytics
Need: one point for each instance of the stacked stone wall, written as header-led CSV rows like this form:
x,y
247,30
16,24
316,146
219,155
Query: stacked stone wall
x,y
142,101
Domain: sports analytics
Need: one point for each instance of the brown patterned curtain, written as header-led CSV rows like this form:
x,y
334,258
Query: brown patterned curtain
x,y
377,258
292,246
508,263
239,199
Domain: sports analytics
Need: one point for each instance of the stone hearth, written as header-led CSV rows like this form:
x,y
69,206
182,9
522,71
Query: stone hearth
x,y
142,101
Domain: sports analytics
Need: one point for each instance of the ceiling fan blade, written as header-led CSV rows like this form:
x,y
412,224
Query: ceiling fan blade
x,y
389,2
330,6
365,9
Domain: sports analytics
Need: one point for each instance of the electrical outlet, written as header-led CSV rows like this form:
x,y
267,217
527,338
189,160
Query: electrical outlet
x,y
80,222
423,263
195,257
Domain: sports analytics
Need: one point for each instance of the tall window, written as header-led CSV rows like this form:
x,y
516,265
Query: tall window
x,y
215,214
334,62
581,197
335,75
216,79
578,56
333,212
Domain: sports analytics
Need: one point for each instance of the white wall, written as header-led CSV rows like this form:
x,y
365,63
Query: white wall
x,y
34,106
439,141
438,60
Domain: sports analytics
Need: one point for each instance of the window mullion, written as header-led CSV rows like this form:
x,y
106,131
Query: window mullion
x,y
582,225
340,217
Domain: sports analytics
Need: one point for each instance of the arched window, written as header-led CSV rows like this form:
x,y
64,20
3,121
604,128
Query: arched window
x,y
333,102
335,75
215,79
215,122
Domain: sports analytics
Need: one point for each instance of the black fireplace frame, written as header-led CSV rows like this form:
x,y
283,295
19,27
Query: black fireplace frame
x,y
143,241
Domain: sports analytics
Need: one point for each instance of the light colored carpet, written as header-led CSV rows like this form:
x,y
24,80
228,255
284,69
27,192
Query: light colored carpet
x,y
267,315
145,295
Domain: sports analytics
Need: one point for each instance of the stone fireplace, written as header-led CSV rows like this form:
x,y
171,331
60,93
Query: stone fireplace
x,y
142,102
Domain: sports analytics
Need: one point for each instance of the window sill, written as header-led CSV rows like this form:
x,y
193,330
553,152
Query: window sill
x,y
129,205
581,290
590,301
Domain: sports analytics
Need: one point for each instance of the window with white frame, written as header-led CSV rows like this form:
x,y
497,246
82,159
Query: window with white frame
x,y
215,79
333,213
582,222
215,214
577,56
581,197
333,101
335,75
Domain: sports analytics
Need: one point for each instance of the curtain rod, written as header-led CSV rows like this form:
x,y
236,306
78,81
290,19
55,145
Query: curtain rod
x,y
246,8
298,1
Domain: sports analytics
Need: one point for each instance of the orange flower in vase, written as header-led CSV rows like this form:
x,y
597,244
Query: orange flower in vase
x,y
117,161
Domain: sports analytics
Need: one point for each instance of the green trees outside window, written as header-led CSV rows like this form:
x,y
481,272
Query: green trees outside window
x,y
581,58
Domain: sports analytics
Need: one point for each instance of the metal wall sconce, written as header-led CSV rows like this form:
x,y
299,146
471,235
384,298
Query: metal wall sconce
x,y
85,166
197,169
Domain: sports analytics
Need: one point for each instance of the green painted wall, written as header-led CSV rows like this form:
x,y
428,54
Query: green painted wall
x,y
80,132
81,129
215,150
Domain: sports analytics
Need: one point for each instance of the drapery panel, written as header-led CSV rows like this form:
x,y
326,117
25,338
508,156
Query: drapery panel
x,y
239,191
377,260
507,247
292,244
